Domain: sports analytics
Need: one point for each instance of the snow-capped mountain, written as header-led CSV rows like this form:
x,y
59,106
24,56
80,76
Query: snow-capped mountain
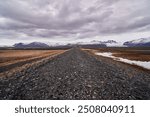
x,y
85,43
112,43
91,44
95,42
142,42
82,44
31,45
109,43
55,44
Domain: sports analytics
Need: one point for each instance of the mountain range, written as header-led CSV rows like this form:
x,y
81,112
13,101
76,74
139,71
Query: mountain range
x,y
142,42
93,43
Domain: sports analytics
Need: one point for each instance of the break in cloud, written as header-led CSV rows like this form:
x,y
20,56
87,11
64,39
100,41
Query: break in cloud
x,y
70,20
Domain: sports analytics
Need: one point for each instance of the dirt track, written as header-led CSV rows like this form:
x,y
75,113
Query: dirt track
x,y
77,75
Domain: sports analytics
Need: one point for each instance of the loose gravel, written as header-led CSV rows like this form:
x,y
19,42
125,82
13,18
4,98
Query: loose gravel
x,y
76,74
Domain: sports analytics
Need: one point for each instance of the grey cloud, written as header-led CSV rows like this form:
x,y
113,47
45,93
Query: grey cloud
x,y
73,18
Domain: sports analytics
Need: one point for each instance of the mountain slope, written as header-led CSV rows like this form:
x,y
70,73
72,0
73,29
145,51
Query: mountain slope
x,y
142,42
31,45
100,43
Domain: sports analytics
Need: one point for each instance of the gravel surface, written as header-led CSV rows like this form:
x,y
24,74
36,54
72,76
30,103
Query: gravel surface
x,y
76,74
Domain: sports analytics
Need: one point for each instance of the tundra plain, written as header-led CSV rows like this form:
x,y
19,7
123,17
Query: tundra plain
x,y
72,74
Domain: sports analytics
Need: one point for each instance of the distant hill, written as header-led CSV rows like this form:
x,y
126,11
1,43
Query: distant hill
x,y
112,43
142,42
31,45
100,43
109,41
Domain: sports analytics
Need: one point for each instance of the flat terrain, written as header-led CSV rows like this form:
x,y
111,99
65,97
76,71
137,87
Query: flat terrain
x,y
138,54
76,74
9,59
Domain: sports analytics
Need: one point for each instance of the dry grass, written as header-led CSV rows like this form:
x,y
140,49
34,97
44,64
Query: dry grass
x,y
133,56
8,57
127,53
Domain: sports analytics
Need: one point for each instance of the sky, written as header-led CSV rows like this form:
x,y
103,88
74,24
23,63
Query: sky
x,y
73,20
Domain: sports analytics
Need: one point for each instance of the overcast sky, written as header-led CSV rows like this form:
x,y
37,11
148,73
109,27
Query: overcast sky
x,y
73,20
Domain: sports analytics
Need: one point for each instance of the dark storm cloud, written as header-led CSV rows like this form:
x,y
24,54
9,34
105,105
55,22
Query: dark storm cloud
x,y
73,18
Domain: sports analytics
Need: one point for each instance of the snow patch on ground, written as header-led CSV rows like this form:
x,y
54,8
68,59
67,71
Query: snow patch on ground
x,y
144,64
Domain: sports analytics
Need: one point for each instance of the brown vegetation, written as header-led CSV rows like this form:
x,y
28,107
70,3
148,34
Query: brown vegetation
x,y
109,60
14,56
138,54
16,59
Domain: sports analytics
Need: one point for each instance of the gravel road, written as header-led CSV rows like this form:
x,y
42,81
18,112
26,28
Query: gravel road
x,y
76,74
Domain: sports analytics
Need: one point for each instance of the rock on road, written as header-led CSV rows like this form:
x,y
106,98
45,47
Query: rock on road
x,y
76,74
